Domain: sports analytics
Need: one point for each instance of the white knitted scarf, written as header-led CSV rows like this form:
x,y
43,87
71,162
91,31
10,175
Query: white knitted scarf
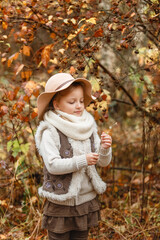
x,y
75,127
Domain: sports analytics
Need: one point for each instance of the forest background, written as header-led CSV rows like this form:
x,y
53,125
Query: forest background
x,y
115,44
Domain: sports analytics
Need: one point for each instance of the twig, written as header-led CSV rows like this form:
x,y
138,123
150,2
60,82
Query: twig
x,y
119,85
143,165
116,230
129,169
121,101
144,230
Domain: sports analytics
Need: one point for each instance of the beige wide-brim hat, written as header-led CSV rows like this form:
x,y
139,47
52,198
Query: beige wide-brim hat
x,y
59,82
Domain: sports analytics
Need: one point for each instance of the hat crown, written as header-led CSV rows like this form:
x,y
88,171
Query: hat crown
x,y
55,81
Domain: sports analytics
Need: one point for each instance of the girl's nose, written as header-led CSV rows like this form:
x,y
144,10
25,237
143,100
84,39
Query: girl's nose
x,y
78,104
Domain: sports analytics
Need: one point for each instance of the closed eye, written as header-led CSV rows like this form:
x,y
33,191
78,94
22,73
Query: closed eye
x,y
71,102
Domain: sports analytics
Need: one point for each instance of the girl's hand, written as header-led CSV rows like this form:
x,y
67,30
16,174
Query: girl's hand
x,y
92,158
106,140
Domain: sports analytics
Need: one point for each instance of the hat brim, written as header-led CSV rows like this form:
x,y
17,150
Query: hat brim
x,y
45,97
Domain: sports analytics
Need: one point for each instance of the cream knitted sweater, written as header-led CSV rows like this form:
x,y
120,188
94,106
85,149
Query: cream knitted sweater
x,y
85,182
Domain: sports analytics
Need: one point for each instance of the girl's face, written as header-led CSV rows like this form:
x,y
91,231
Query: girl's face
x,y
72,102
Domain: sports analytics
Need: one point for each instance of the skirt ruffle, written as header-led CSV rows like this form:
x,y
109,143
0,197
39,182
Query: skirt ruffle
x,y
60,219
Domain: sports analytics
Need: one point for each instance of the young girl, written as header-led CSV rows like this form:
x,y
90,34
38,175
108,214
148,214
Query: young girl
x,y
68,142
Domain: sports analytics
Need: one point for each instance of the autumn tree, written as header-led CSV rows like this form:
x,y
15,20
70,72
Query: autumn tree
x,y
115,44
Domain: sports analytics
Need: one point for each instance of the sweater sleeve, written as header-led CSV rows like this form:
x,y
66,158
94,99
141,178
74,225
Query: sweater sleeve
x,y
52,159
105,155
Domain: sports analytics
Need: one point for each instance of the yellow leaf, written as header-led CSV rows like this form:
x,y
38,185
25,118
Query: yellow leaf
x,y
71,36
40,63
3,59
95,84
54,61
84,5
120,228
65,21
3,203
43,84
91,20
103,105
73,20
83,19
106,92
50,17
2,236
150,166
69,11
33,199
62,50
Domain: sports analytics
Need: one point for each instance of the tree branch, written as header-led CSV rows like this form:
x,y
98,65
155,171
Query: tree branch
x,y
128,169
121,101
118,85
31,21
148,33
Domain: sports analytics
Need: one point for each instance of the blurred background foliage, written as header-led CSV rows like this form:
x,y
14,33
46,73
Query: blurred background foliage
x,y
115,44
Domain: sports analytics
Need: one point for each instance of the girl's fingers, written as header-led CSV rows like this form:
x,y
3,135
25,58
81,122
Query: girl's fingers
x,y
95,154
107,142
106,137
95,158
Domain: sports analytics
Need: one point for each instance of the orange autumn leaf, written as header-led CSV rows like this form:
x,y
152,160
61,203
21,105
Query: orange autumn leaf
x,y
72,70
3,110
19,106
9,137
12,57
53,35
26,74
4,25
26,50
26,98
36,92
11,95
34,114
98,33
104,96
30,87
96,115
26,119
45,55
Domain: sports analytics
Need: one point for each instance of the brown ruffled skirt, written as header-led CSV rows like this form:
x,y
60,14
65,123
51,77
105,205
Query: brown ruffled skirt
x,y
61,219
